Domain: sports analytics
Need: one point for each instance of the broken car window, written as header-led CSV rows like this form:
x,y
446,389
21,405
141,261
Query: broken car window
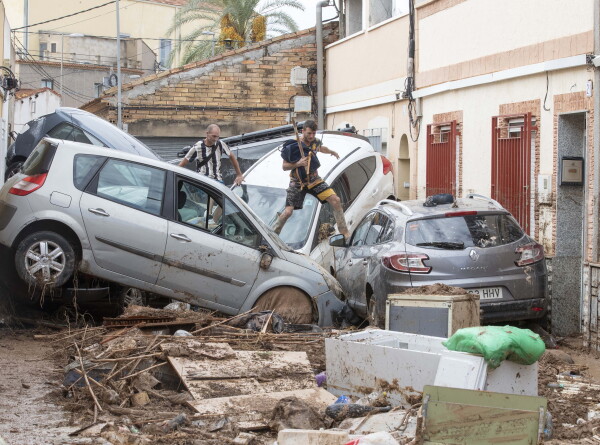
x,y
469,231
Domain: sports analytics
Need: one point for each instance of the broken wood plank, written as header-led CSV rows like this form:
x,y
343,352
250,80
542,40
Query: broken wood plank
x,y
188,346
254,411
247,372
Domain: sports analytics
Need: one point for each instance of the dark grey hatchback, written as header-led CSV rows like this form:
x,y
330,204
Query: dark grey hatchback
x,y
472,243
71,124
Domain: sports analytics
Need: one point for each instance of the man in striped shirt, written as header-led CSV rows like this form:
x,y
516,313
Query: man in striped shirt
x,y
209,153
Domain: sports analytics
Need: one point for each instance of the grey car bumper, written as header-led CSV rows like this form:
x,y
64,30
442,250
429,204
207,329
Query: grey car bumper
x,y
332,311
502,311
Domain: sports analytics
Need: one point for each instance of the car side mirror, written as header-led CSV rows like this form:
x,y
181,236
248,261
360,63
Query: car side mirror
x,y
265,260
266,257
338,240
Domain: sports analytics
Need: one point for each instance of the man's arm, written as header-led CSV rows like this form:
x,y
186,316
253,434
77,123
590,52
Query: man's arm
x,y
303,162
239,176
187,157
328,151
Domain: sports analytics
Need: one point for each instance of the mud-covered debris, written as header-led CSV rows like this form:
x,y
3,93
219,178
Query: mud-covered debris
x,y
435,289
293,413
140,399
145,382
341,411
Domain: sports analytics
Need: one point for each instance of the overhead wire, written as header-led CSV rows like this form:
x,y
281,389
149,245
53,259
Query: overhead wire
x,y
65,16
40,70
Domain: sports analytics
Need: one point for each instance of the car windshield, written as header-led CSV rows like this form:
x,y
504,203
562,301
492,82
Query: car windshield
x,y
458,232
268,202
265,227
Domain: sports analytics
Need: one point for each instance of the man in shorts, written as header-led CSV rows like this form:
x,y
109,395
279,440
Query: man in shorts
x,y
304,178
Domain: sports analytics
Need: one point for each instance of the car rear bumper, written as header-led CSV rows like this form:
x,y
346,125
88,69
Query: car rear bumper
x,y
496,312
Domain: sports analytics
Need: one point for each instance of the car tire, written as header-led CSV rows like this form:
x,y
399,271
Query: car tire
x,y
129,296
12,169
45,259
291,303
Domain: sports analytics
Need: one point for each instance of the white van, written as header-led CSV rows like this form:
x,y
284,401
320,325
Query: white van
x,y
361,177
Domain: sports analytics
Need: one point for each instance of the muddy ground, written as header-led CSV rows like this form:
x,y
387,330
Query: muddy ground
x,y
32,412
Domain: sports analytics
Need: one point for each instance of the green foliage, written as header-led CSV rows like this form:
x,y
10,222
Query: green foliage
x,y
228,19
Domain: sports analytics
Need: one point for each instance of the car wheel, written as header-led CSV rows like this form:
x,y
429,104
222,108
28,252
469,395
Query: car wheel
x,y
291,303
373,316
13,169
129,296
45,259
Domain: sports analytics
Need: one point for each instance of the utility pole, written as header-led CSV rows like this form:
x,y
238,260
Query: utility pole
x,y
62,54
119,105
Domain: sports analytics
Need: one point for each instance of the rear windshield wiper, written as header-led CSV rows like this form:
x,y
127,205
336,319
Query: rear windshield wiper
x,y
443,245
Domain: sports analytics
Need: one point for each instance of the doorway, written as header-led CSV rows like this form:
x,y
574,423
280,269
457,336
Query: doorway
x,y
570,220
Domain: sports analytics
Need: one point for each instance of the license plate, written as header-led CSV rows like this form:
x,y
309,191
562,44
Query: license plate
x,y
487,293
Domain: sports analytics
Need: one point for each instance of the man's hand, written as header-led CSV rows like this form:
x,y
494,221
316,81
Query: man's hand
x,y
303,162
238,179
334,153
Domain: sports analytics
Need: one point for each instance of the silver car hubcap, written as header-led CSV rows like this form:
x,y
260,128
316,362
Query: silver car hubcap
x,y
45,261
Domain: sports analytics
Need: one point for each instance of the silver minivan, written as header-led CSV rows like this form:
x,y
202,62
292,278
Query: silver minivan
x,y
147,224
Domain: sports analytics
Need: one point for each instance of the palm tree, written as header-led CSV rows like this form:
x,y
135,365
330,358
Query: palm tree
x,y
236,22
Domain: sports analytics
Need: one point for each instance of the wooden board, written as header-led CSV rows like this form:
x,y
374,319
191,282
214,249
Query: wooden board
x,y
255,410
246,372
192,347
461,416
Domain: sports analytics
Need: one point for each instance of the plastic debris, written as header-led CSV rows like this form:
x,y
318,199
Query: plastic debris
x,y
342,411
496,343
321,378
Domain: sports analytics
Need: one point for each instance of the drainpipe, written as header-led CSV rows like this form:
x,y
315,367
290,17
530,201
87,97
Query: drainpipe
x,y
320,70
26,24
596,86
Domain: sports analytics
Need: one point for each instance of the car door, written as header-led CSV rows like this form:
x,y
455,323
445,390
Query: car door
x,y
348,185
121,211
212,254
351,265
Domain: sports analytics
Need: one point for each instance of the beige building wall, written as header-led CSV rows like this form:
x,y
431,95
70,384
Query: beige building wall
x,y
482,27
138,18
401,150
366,94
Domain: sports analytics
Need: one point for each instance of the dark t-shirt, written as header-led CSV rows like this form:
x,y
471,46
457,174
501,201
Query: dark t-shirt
x,y
291,153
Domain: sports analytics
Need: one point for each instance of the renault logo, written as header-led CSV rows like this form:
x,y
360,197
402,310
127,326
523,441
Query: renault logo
x,y
474,255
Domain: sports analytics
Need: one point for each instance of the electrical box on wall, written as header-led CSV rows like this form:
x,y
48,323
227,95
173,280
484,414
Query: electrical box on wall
x,y
545,189
299,76
302,104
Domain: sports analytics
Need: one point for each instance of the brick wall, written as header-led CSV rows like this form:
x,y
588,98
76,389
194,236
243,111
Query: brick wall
x,y
242,90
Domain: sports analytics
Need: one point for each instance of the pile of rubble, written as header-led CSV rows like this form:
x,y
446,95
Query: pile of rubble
x,y
179,376
176,375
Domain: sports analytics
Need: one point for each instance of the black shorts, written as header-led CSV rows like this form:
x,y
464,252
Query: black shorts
x,y
296,193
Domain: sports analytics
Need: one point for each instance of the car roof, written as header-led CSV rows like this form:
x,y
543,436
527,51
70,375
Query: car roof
x,y
101,129
82,148
415,208
268,170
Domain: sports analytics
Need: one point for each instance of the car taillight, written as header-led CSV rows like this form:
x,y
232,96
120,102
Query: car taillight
x,y
28,185
407,262
530,253
387,165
